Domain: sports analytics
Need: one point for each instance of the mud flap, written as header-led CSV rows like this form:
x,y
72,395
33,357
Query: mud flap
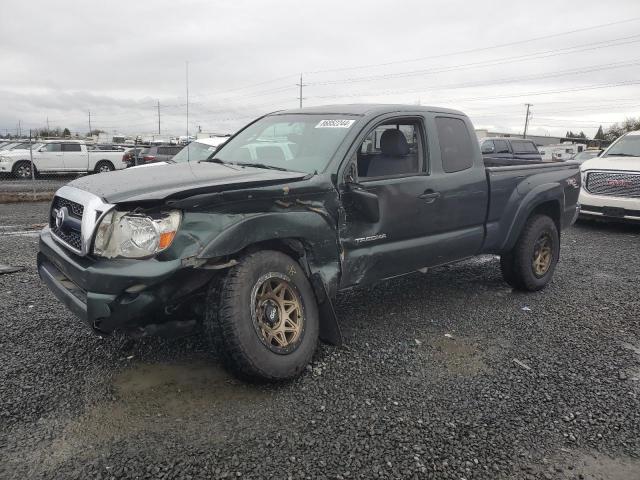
x,y
330,331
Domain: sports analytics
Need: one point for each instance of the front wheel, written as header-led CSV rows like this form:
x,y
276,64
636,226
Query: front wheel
x,y
264,317
22,170
530,264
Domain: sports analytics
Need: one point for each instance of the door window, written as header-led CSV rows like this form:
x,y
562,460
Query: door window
x,y
456,149
392,149
53,147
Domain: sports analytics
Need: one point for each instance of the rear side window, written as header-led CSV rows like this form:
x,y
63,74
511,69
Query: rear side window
x,y
71,147
523,146
501,146
456,149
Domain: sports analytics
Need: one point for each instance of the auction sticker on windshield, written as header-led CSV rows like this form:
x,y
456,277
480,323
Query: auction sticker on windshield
x,y
335,123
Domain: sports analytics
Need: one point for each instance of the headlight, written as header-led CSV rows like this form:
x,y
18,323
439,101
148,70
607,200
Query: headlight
x,y
133,235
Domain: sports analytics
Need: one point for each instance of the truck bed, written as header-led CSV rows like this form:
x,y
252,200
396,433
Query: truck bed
x,y
514,191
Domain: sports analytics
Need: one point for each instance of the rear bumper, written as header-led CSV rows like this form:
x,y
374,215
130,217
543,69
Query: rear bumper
x,y
116,294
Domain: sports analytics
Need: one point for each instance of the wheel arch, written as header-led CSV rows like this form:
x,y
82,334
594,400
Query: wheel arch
x,y
546,200
306,237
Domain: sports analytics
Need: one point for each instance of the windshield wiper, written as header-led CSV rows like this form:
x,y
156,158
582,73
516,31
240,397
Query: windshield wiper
x,y
218,161
262,165
214,160
621,155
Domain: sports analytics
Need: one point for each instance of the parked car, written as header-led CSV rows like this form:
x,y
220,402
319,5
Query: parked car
x,y
160,153
611,182
501,151
561,152
586,155
133,155
59,156
199,149
256,249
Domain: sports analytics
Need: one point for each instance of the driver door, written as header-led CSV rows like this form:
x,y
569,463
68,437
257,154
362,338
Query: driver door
x,y
390,201
49,158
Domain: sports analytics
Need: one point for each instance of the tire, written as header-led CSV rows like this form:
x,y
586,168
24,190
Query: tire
x,y
22,170
245,317
104,166
530,265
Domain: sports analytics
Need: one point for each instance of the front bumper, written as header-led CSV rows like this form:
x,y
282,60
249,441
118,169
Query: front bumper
x,y
609,207
116,294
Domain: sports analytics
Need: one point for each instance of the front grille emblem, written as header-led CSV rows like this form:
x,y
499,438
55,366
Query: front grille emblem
x,y
61,216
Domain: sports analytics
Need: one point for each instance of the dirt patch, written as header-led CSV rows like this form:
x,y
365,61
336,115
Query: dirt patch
x,y
603,467
457,355
23,197
179,399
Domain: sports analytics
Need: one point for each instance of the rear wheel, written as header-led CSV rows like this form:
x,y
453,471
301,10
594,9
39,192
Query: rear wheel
x,y
104,166
264,318
22,169
530,264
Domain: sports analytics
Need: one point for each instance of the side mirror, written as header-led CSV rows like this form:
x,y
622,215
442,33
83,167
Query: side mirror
x,y
600,152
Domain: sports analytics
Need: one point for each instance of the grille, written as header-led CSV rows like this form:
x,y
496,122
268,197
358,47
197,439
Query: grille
x,y
75,209
614,184
69,236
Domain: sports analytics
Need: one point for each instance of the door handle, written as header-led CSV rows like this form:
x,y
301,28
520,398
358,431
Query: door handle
x,y
429,197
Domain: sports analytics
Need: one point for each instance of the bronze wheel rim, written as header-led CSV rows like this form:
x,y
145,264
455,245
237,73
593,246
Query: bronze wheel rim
x,y
278,314
542,255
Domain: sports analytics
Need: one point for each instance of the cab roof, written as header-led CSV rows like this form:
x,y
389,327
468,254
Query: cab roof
x,y
366,109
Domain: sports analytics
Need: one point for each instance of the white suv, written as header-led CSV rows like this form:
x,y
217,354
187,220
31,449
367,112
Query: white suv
x,y
611,182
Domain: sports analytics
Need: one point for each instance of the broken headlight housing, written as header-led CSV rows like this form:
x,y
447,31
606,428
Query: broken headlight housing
x,y
135,235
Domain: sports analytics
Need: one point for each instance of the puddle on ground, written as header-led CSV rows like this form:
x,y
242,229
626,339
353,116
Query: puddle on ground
x,y
588,466
603,467
458,355
194,399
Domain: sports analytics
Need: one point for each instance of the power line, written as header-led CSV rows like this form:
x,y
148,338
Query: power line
x,y
491,82
479,49
485,63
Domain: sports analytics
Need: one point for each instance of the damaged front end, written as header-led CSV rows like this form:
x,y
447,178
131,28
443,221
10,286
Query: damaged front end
x,y
143,265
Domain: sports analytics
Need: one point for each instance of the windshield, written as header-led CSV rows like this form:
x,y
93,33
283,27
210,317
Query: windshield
x,y
296,142
194,152
628,146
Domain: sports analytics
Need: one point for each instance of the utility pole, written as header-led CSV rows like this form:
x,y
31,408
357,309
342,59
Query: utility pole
x,y
90,130
187,68
47,126
188,149
300,85
526,120
158,117
19,128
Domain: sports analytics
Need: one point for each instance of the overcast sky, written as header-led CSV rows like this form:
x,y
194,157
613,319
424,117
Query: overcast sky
x,y
577,62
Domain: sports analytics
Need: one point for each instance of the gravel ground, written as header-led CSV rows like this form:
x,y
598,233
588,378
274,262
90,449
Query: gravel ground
x,y
446,375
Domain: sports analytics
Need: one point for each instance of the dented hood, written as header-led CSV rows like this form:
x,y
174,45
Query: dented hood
x,y
178,181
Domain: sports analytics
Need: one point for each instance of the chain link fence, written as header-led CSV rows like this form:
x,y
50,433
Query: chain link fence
x,y
32,170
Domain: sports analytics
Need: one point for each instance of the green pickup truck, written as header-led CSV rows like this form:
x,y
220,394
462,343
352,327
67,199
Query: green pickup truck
x,y
252,244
